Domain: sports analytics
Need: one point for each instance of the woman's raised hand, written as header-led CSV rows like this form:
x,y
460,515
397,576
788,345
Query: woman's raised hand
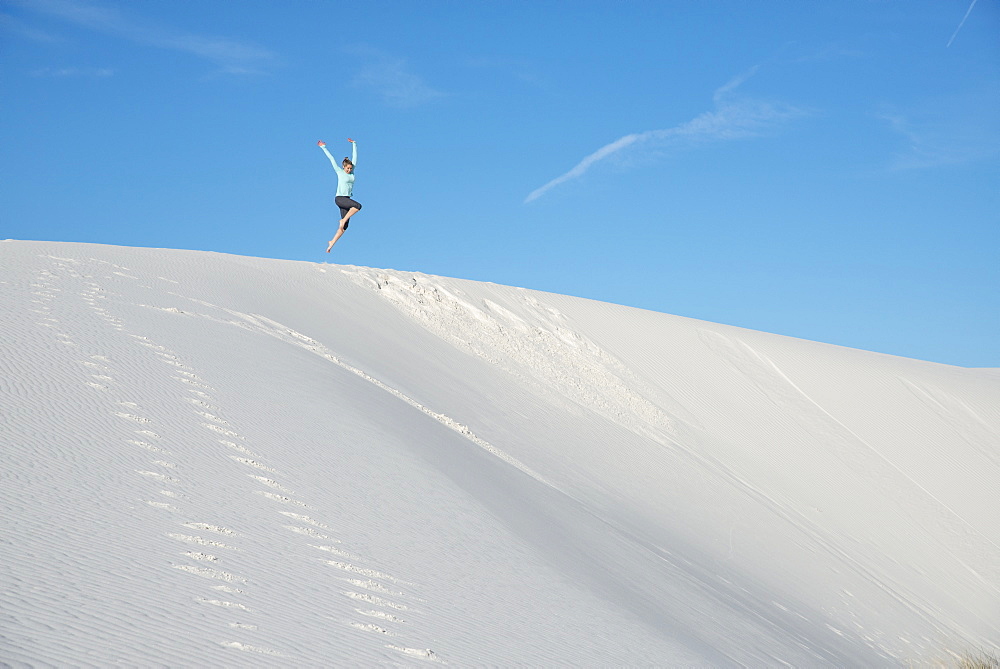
x,y
321,143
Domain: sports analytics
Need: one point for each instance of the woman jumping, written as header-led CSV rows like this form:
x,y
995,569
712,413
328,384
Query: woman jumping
x,y
345,186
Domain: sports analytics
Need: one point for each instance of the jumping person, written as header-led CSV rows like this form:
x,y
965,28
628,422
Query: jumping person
x,y
345,186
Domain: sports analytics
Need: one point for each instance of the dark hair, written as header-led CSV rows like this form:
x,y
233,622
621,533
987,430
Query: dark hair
x,y
347,161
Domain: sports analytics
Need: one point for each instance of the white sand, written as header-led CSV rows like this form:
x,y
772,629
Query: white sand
x,y
213,460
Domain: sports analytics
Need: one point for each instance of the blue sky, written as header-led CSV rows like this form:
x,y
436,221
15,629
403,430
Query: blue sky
x,y
824,170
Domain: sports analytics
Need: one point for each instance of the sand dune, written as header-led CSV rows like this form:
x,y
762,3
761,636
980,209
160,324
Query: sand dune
x,y
216,460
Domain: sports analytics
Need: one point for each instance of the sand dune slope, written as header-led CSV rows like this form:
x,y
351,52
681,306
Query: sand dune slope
x,y
217,460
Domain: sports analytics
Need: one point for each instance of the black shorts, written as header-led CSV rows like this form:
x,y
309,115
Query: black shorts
x,y
345,203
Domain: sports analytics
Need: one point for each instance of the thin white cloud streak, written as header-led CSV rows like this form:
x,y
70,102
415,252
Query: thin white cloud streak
x,y
962,23
585,164
721,92
732,119
231,56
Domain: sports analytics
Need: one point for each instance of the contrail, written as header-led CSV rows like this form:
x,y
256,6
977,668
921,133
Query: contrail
x,y
967,12
585,164
732,118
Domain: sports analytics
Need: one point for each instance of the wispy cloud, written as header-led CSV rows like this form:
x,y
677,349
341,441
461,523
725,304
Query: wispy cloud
x,y
11,24
229,55
95,72
520,69
391,79
948,130
733,118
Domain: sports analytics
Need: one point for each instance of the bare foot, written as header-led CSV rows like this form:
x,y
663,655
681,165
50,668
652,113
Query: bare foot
x,y
330,245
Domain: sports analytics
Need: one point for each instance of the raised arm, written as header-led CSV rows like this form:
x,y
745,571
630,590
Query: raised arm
x,y
354,151
333,161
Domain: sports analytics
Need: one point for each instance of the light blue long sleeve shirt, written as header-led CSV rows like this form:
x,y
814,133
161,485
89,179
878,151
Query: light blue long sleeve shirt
x,y
345,181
